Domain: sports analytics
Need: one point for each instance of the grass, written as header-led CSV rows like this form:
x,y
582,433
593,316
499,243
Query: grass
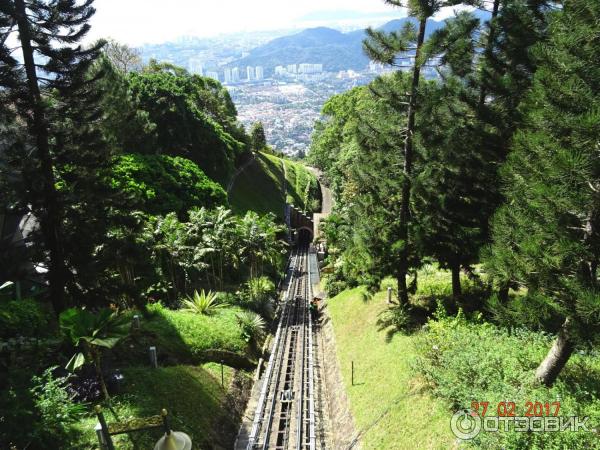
x,y
388,401
193,395
183,337
260,186
190,390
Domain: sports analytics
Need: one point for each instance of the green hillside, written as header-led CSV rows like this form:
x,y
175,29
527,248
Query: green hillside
x,y
260,187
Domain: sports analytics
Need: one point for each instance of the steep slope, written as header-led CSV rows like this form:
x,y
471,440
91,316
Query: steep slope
x,y
265,186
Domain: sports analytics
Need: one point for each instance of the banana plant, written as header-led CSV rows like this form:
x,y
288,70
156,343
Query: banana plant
x,y
90,333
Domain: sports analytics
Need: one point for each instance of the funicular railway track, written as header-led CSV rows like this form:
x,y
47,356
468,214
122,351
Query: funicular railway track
x,y
285,414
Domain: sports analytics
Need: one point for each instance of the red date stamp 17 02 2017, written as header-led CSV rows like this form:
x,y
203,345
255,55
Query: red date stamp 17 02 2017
x,y
511,409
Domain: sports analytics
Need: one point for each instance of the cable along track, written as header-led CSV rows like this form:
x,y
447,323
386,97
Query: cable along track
x,y
285,413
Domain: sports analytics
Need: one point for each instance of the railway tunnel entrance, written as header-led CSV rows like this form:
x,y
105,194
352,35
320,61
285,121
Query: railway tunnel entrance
x,y
301,225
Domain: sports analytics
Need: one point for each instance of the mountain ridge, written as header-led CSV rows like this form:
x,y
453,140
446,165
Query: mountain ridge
x,y
334,49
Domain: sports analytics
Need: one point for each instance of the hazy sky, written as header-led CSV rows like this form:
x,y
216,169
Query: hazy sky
x,y
150,21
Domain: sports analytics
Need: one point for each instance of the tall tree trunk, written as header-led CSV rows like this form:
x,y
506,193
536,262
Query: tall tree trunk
x,y
456,288
50,217
503,292
557,357
407,169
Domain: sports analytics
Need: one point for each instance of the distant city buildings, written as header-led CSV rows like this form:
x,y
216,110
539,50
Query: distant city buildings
x,y
291,68
213,75
227,76
259,73
309,68
250,73
195,66
235,75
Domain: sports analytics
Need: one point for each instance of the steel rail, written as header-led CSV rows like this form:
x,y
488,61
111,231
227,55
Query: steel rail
x,y
290,368
259,413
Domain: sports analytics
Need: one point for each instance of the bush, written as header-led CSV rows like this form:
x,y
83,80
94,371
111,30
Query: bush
x,y
396,318
206,303
57,410
159,184
465,361
253,326
23,318
258,295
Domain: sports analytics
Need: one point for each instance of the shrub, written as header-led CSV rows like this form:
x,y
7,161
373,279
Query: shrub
x,y
159,184
202,303
253,326
56,408
465,361
258,296
396,317
23,318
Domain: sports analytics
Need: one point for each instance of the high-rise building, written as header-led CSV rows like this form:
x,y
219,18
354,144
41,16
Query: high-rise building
x,y
310,68
227,75
280,70
259,72
291,68
195,66
250,73
213,75
235,75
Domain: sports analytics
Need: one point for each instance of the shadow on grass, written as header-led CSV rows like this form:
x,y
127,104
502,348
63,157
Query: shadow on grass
x,y
584,378
409,319
171,348
194,398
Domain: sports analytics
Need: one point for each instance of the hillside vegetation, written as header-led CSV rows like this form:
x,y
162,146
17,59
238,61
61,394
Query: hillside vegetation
x,y
269,182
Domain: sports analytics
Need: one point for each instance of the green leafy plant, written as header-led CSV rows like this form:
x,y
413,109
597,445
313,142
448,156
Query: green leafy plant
x,y
23,318
396,318
91,332
56,407
253,326
260,292
202,303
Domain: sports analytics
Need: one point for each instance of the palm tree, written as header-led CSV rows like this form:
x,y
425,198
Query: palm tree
x,y
91,333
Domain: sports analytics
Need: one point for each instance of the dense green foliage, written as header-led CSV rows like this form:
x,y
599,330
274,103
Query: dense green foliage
x,y
189,116
23,318
159,184
466,361
497,159
546,236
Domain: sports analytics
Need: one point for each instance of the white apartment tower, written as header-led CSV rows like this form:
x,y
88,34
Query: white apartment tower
x,y
227,76
259,72
235,75
250,73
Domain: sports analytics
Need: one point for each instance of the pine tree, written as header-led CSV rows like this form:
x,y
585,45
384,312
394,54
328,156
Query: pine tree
x,y
43,89
469,126
546,237
387,48
257,136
